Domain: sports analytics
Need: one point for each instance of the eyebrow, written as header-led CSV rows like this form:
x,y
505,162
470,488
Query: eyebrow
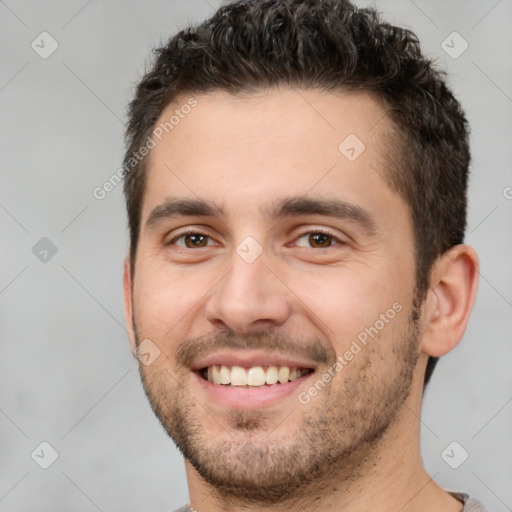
x,y
172,208
277,210
337,208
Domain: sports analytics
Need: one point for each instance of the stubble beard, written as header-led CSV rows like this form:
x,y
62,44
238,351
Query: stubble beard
x,y
334,437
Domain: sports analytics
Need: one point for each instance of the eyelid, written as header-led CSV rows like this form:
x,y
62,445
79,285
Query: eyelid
x,y
189,231
323,231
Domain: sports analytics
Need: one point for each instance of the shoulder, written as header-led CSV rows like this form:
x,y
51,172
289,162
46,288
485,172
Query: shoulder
x,y
185,508
470,504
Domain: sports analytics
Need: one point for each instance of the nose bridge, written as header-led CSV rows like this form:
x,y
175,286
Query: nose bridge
x,y
249,292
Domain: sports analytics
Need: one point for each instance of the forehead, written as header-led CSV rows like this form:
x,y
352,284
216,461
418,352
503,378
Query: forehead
x,y
267,145
287,115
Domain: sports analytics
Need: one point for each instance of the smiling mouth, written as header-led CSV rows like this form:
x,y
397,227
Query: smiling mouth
x,y
255,376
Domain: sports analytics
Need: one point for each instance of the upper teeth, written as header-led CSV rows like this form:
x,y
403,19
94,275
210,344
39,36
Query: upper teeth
x,y
254,376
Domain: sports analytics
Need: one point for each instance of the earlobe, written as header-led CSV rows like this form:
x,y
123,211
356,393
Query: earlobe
x,y
128,301
453,286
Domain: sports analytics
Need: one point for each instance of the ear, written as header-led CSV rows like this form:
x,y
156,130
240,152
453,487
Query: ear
x,y
452,292
128,301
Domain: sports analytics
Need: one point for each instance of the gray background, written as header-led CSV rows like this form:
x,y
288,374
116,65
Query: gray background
x,y
68,376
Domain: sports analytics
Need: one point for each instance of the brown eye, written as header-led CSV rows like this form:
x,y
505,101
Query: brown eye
x,y
195,240
191,240
319,240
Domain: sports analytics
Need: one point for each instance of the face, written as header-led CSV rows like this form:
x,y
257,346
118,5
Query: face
x,y
274,280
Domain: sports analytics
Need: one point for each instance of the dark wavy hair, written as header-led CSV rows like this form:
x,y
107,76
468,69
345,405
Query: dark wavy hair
x,y
330,45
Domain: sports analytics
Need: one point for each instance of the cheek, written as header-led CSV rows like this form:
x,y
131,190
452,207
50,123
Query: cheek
x,y
163,299
343,302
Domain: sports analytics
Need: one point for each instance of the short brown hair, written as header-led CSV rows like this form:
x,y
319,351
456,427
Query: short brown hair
x,y
332,45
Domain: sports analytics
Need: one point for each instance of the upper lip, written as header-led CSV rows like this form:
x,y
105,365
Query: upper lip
x,y
248,358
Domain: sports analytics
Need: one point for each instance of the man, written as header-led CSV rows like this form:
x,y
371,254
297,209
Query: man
x,y
296,178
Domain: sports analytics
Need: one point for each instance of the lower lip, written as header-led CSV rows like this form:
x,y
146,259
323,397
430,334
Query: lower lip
x,y
250,397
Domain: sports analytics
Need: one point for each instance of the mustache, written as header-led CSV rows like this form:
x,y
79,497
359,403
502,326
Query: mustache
x,y
191,349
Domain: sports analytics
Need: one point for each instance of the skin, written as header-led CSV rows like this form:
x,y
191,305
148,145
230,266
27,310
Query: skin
x,y
355,445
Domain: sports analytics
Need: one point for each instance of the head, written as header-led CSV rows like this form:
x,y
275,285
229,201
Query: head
x,y
267,95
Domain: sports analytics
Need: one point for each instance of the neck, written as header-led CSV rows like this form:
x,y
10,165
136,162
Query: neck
x,y
387,475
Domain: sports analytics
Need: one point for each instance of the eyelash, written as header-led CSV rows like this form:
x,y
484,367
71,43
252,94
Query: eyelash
x,y
314,231
326,232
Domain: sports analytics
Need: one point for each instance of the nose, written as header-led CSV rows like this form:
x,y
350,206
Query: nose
x,y
249,295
